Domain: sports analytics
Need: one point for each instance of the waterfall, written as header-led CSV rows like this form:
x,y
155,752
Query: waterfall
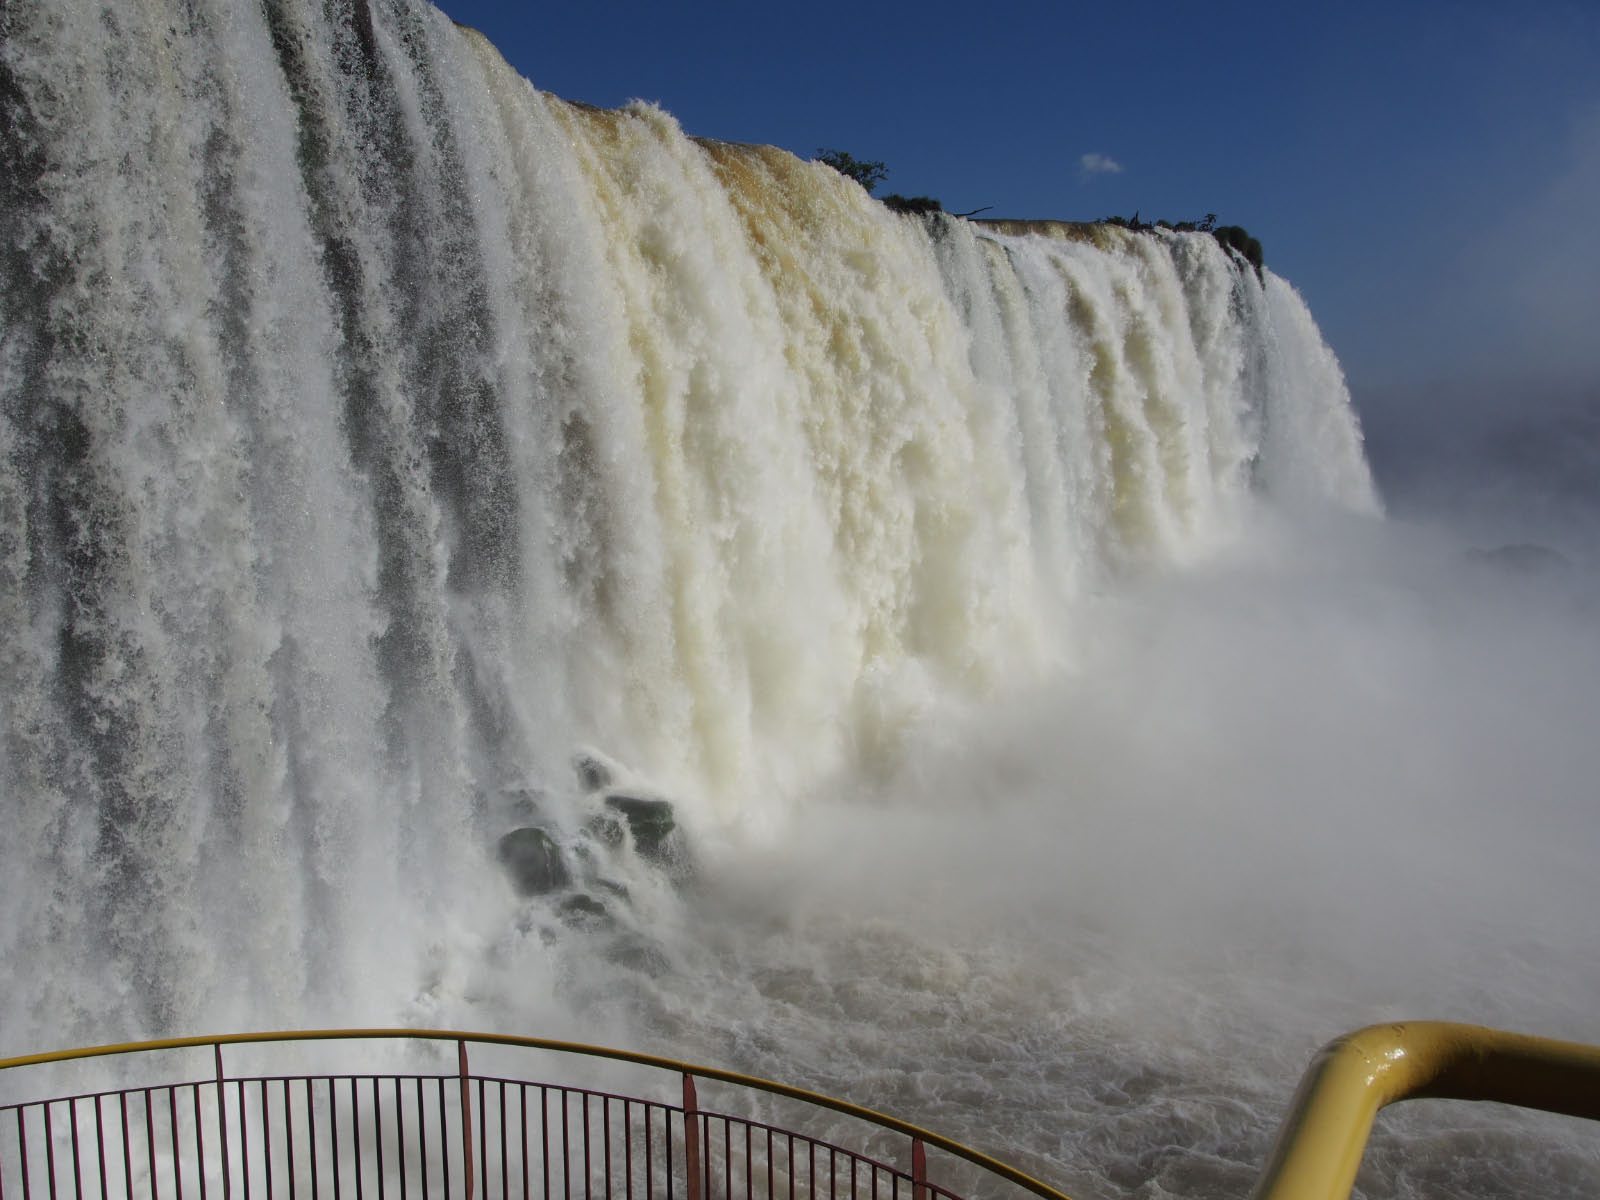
x,y
379,432
395,459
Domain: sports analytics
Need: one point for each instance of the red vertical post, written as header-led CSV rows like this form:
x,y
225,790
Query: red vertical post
x,y
466,1118
919,1170
691,1137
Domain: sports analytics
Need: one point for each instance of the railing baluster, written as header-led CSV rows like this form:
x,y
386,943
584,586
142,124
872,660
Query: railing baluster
x,y
172,1130
444,1139
244,1142
150,1145
377,1133
100,1145
422,1140
544,1136
311,1140
483,1138
200,1138
466,1120
483,1135
77,1160
666,1146
505,1163
627,1148
49,1152
400,1135
22,1150
288,1138
222,1125
919,1170
522,1096
650,1157
355,1139
127,1145
266,1140
566,1145
334,1156
588,1166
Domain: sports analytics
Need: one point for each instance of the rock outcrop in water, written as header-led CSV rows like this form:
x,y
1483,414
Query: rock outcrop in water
x,y
534,861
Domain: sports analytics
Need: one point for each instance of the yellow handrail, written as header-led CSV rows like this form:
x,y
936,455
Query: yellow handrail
x,y
977,1158
1319,1146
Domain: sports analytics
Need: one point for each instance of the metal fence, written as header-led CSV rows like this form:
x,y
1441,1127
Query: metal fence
x,y
450,1133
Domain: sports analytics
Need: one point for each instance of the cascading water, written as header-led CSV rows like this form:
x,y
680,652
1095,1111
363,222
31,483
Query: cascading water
x,y
379,433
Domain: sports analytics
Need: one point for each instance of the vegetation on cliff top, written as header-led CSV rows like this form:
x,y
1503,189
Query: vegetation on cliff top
x,y
1234,237
912,204
870,174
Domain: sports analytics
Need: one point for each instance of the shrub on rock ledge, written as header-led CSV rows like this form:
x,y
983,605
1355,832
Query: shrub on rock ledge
x,y
868,174
911,204
1235,238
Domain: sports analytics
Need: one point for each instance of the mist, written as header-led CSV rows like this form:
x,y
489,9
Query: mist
x,y
1342,773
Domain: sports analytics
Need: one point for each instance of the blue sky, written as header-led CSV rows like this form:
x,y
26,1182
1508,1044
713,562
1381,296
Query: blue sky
x,y
1427,174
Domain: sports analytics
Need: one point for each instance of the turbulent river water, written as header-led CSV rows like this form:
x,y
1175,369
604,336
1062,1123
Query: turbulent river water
x,y
1060,741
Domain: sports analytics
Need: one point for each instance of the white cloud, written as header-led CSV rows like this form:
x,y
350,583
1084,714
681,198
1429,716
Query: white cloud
x,y
1099,164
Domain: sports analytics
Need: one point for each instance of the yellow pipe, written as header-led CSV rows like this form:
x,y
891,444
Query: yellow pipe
x,y
1319,1147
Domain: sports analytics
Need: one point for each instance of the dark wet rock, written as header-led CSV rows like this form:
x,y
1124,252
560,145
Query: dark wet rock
x,y
594,772
582,911
650,821
534,861
639,955
582,902
606,828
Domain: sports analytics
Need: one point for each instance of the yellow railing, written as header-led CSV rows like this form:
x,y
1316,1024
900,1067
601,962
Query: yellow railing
x,y
1320,1144
465,1137
470,1133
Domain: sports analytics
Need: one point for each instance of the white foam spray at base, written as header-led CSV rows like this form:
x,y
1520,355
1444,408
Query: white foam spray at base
x,y
1100,929
1048,721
